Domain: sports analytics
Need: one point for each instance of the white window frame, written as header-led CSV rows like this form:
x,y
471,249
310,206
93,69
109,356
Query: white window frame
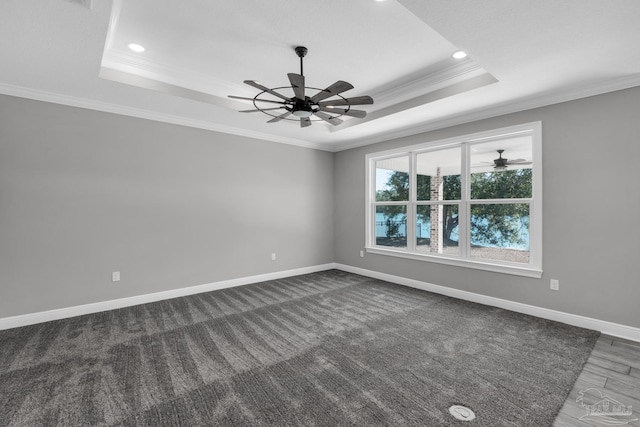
x,y
532,269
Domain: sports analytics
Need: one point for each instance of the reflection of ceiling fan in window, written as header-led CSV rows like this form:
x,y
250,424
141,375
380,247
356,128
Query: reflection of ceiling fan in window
x,y
501,163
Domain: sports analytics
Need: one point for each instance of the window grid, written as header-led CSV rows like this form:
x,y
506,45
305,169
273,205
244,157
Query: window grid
x,y
464,206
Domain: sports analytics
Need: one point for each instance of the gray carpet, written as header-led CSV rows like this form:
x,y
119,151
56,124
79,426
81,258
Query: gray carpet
x,y
326,349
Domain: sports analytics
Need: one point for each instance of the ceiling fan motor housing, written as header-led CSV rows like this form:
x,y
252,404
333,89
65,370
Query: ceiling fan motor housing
x,y
500,162
301,51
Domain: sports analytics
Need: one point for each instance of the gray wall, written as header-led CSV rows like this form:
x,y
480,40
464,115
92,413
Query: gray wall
x,y
591,202
85,193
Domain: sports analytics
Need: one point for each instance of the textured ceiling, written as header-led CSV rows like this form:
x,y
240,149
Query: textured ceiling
x,y
522,54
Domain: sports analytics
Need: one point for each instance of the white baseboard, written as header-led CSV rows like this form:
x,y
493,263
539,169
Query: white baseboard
x,y
603,326
63,313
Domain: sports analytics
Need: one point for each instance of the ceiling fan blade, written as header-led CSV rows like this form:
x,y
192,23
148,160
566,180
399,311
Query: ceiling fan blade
x,y
358,100
266,89
518,161
264,109
304,122
253,99
280,117
336,88
297,83
353,113
327,118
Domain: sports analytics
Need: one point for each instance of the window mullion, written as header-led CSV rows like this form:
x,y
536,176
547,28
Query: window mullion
x,y
463,210
500,201
370,212
411,208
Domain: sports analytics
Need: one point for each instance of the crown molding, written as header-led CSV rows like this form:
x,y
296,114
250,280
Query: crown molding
x,y
455,88
134,64
429,82
72,101
521,105
114,20
530,103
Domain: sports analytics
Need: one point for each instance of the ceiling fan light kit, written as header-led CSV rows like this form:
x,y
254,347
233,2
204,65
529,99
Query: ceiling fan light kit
x,y
303,107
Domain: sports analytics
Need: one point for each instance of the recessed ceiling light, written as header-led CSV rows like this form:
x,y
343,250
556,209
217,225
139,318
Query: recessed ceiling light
x,y
136,47
459,54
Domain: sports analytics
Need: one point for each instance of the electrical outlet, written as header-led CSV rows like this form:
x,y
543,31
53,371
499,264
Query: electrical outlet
x,y
361,254
554,285
115,276
273,256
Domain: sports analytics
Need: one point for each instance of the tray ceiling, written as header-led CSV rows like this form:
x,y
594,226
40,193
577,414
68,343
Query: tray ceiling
x,y
197,52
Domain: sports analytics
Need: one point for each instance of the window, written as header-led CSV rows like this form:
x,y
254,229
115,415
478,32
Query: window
x,y
473,201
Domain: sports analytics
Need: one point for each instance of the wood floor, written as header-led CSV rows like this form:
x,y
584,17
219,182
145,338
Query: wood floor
x,y
614,369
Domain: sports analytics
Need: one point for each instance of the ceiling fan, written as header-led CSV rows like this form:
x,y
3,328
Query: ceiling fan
x,y
305,107
501,163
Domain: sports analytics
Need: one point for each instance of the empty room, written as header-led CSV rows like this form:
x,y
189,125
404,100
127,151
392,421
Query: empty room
x,y
319,213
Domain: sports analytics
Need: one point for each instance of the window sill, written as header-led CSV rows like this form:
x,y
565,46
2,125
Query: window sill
x,y
515,270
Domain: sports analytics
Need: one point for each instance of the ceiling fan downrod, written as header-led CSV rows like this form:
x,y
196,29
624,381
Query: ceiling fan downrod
x,y
301,51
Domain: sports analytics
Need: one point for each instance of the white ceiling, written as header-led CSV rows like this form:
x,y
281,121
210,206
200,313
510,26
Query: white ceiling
x,y
522,54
